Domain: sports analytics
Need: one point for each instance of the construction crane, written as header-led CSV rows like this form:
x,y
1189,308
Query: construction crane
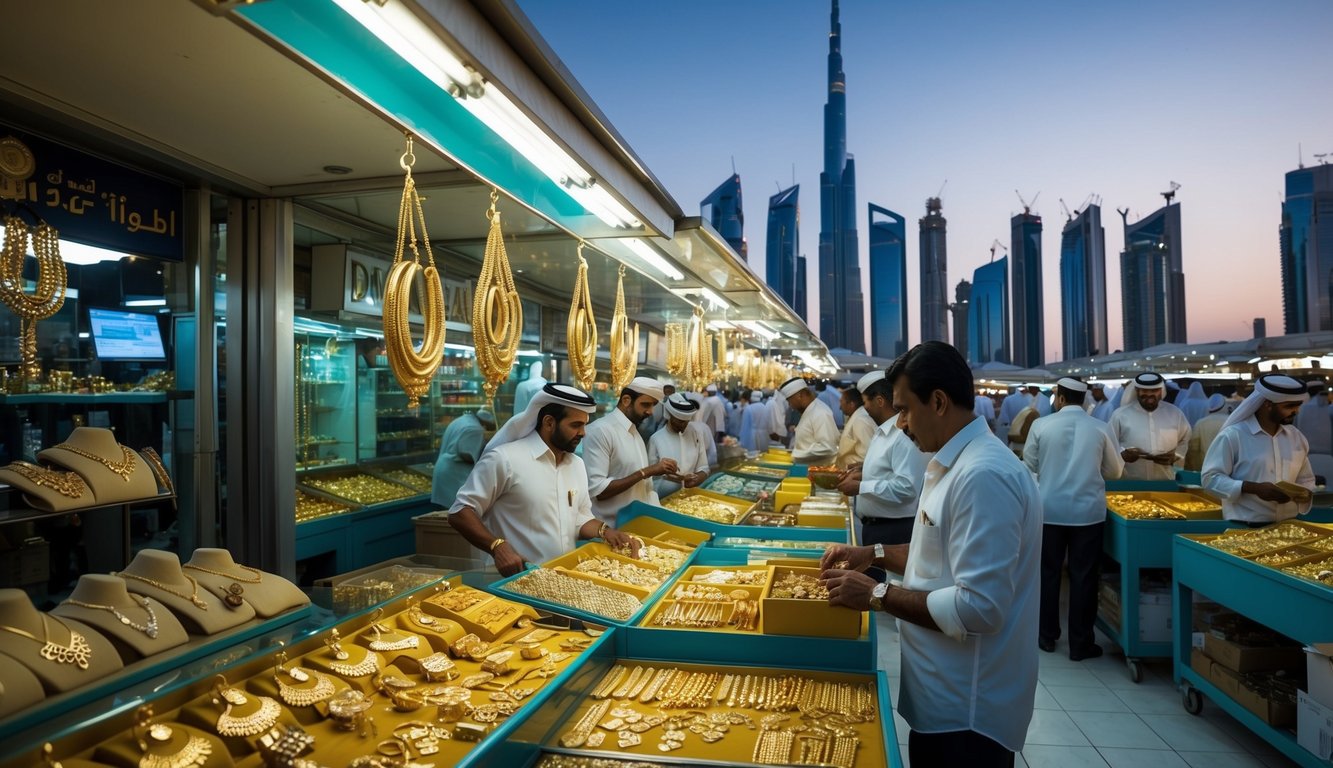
x,y
1321,157
1170,194
1027,208
994,245
1068,216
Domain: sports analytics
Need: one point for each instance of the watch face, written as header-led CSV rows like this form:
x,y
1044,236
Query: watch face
x,y
880,591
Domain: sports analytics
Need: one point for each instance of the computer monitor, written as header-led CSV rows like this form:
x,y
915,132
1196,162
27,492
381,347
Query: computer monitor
x,y
125,335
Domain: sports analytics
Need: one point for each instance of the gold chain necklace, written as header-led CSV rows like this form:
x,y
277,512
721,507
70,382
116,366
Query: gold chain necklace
x,y
123,468
256,722
192,597
150,628
76,652
299,696
194,752
255,577
67,484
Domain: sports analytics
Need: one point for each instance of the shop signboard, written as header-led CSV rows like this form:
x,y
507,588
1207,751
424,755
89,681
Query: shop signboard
x,y
346,280
90,200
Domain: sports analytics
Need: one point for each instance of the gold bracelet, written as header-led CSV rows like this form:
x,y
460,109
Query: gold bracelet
x,y
496,543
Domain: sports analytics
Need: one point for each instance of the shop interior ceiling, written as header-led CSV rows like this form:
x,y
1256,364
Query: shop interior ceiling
x,y
197,90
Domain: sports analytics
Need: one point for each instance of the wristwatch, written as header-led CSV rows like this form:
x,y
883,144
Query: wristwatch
x,y
879,551
877,596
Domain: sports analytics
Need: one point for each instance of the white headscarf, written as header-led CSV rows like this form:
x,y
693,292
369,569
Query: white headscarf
x,y
520,425
682,407
1216,402
1273,388
756,396
1129,396
646,386
867,380
790,387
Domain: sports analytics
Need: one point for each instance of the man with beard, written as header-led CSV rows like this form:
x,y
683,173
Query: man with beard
x,y
816,437
526,499
1102,409
683,441
616,456
1258,449
1153,435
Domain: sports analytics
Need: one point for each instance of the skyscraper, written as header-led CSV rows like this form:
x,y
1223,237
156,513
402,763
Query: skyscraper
x,y
962,298
801,292
784,237
934,274
1152,285
888,283
988,314
1029,322
722,209
841,303
1083,327
1306,241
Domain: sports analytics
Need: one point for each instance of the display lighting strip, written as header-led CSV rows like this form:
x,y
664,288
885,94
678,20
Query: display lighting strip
x,y
815,362
759,329
646,252
398,28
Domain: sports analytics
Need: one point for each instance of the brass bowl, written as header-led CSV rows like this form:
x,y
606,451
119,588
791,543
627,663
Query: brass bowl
x,y
824,477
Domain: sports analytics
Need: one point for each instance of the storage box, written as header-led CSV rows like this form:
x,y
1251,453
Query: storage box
x,y
782,616
1279,714
1228,680
1245,658
436,537
1200,663
1314,726
1319,672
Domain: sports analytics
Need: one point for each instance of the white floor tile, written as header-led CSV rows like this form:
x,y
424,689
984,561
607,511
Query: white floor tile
x,y
1193,734
1119,757
1072,698
1044,700
1055,728
1221,760
1151,700
1112,729
1068,676
1062,757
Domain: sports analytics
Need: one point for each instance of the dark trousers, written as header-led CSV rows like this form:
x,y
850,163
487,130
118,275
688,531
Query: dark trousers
x,y
886,530
1083,546
955,748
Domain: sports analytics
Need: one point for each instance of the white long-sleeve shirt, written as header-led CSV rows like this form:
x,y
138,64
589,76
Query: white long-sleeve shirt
x,y
612,449
892,475
688,450
1245,452
816,436
1159,431
1073,455
756,424
855,440
1314,421
460,447
712,414
524,496
976,548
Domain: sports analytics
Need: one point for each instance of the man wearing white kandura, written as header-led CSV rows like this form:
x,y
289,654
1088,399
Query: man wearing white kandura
x,y
682,439
816,437
967,607
1153,435
1260,464
527,498
616,456
1073,455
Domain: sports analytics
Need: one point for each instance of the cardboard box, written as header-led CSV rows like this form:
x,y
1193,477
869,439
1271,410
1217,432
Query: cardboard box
x,y
1155,622
1314,726
1279,714
1228,680
1244,658
1319,672
1200,663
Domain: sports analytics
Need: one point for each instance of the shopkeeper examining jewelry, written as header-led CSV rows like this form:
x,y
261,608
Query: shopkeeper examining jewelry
x,y
971,575
682,439
615,454
526,500
816,437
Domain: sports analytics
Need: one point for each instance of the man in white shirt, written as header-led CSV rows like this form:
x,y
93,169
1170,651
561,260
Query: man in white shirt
x,y
1009,408
1205,432
460,447
756,424
816,437
1073,455
1314,420
1101,406
1153,435
1021,425
777,418
657,420
615,454
1040,400
713,413
857,430
832,397
677,441
1259,448
526,500
887,485
968,604
529,387
985,408
733,406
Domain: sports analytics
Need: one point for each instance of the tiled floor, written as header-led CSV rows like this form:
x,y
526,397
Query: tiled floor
x,y
1089,713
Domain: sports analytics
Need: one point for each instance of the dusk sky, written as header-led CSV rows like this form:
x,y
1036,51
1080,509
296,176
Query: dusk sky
x,y
1066,99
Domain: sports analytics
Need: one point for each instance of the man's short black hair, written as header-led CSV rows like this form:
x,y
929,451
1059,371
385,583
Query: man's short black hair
x,y
1072,397
853,394
882,388
934,365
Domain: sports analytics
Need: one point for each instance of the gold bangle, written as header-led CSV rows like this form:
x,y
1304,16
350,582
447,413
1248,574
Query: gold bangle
x,y
601,530
495,544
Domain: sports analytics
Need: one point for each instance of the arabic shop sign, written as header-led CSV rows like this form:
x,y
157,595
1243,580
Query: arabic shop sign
x,y
90,200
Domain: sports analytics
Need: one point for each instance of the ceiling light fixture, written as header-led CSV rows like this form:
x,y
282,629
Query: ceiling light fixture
x,y
647,253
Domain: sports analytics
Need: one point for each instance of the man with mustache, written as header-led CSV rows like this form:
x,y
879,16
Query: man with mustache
x,y
526,499
1153,435
1259,448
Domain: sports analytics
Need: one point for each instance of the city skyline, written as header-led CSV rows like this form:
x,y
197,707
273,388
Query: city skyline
x,y
1204,96
841,291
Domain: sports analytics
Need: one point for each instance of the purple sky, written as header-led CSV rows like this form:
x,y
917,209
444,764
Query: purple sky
x,y
1069,99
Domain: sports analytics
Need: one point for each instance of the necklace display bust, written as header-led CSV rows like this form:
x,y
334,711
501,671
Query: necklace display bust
x,y
267,594
62,653
158,574
113,472
138,625
22,688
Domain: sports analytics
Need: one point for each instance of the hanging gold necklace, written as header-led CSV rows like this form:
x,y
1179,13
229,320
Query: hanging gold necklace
x,y
76,652
192,597
581,330
49,294
124,467
497,312
624,341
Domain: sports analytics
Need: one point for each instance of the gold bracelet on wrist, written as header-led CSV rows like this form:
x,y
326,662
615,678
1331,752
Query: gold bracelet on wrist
x,y
495,544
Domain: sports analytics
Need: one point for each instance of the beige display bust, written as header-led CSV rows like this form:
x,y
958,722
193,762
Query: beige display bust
x,y
62,653
125,752
137,625
115,473
22,688
267,594
50,490
158,575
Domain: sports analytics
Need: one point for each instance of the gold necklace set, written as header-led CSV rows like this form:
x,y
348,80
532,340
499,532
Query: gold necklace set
x,y
76,651
301,691
232,593
124,467
149,627
156,742
68,484
581,330
254,723
193,597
